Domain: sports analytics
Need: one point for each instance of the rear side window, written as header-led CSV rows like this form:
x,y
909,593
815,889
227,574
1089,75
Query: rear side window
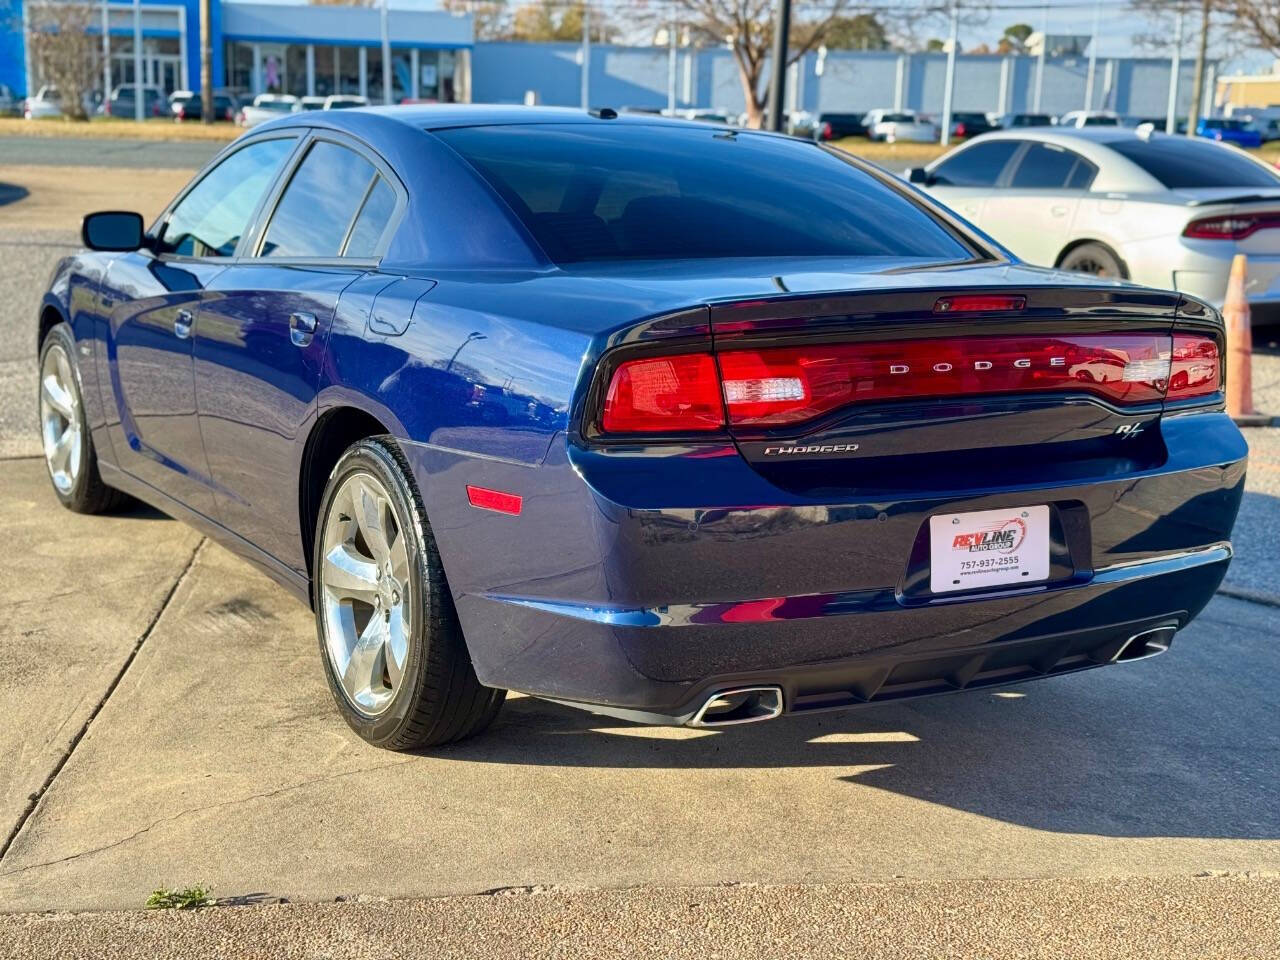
x,y
1046,166
1185,163
319,204
976,166
632,192
372,221
210,219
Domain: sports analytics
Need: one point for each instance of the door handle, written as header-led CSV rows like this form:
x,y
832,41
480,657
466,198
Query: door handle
x,y
302,328
1058,211
182,321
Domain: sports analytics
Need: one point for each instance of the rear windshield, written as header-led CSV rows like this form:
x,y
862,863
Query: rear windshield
x,y
1181,163
899,118
640,192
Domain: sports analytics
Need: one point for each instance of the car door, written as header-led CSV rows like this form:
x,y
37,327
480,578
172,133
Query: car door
x,y
1032,213
261,341
966,177
153,299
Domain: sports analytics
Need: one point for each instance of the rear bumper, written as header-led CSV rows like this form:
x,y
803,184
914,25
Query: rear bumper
x,y
624,588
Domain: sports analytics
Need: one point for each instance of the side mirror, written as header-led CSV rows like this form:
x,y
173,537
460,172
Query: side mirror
x,y
112,230
919,175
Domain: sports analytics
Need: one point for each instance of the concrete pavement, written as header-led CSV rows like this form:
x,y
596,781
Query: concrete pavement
x,y
219,759
1202,917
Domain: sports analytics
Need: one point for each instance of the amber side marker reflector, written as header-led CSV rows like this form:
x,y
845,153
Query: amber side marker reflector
x,y
975,302
496,500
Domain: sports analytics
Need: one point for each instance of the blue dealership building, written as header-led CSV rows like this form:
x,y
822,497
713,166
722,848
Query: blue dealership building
x,y
273,47
305,49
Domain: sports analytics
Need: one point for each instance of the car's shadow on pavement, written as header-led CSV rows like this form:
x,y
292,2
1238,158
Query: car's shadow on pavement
x,y
11,193
1187,745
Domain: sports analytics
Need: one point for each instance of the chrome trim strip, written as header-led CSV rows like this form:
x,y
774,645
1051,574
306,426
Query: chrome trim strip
x,y
815,605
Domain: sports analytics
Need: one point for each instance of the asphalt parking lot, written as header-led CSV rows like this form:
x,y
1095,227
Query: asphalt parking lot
x,y
164,721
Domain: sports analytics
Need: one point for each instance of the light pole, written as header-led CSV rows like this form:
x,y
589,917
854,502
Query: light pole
x,y
949,88
106,55
1044,44
1175,68
386,53
585,54
206,62
781,43
137,60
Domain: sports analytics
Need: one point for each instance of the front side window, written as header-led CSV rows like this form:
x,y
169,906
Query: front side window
x,y
626,192
976,166
211,218
1181,163
319,203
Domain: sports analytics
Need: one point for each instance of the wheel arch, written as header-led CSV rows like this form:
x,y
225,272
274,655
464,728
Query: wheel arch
x,y
1082,241
336,429
51,314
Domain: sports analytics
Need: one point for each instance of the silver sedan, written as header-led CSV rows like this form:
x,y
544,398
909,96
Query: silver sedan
x,y
1165,211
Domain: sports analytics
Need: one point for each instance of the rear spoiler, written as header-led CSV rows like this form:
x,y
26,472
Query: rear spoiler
x,y
1243,198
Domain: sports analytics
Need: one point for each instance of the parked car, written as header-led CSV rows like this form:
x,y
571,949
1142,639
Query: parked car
x,y
265,106
1009,120
190,106
1227,130
46,103
970,124
1268,128
1089,118
309,103
890,126
1157,123
690,503
1166,211
9,104
120,104
344,101
837,126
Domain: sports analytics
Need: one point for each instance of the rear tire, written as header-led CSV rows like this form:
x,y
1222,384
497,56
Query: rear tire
x,y
1096,259
390,641
69,455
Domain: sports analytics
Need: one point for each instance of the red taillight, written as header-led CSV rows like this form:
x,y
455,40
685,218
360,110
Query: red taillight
x,y
787,385
826,131
783,386
960,130
182,113
676,394
1196,367
1231,227
106,109
979,302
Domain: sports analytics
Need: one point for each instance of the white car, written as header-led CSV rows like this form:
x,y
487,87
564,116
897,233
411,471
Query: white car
x,y
1090,118
1165,211
46,103
266,106
344,101
892,126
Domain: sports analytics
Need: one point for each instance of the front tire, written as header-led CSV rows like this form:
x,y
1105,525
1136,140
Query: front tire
x,y
64,432
392,647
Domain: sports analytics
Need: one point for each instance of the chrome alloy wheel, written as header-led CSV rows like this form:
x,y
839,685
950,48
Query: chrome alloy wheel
x,y
60,419
366,593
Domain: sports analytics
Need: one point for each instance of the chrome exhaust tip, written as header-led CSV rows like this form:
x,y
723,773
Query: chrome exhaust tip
x,y
1143,646
726,708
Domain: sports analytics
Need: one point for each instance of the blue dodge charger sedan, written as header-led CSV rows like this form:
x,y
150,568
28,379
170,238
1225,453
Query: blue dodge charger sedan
x,y
667,421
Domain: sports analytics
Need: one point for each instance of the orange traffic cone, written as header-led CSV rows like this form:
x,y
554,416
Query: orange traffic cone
x,y
1235,313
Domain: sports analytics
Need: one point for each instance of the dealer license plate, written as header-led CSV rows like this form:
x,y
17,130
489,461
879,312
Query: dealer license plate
x,y
988,548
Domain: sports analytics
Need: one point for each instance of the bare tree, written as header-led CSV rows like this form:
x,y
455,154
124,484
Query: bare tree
x,y
491,19
746,26
63,50
1260,20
